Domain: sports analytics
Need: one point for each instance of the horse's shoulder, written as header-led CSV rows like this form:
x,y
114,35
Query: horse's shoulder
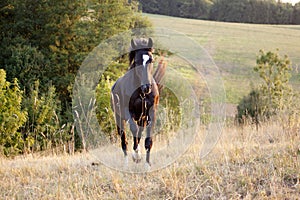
x,y
117,83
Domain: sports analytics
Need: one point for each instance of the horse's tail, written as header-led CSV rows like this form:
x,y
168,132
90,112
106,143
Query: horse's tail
x,y
160,73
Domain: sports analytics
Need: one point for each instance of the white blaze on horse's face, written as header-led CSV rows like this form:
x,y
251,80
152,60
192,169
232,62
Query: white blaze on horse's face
x,y
146,74
146,58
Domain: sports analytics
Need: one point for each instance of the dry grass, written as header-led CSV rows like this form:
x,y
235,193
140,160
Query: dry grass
x,y
245,164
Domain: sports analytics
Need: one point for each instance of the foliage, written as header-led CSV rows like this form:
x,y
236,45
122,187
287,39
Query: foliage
x,y
251,108
53,37
198,9
275,73
47,27
169,119
273,95
296,14
42,130
28,64
104,111
254,11
12,117
245,11
43,44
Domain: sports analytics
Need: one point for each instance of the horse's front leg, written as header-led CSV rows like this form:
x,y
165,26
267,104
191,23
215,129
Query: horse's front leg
x,y
122,134
137,134
124,143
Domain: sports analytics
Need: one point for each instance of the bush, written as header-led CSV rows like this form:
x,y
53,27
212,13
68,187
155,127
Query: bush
x,y
42,130
274,97
12,117
252,108
104,112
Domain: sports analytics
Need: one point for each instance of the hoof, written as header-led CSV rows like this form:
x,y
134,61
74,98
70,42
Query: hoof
x,y
136,155
126,161
147,166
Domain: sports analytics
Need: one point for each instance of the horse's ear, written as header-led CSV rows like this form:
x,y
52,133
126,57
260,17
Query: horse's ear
x,y
133,44
150,43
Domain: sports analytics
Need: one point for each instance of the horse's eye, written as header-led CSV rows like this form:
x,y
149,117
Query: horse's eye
x,y
150,58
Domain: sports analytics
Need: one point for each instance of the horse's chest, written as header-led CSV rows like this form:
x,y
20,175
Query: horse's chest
x,y
140,105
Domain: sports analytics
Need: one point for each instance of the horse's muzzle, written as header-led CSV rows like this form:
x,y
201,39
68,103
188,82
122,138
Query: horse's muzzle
x,y
146,89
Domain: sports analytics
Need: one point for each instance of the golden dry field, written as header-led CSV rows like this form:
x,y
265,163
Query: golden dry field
x,y
245,164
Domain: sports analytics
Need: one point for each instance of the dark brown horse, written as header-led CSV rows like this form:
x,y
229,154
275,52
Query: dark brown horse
x,y
135,96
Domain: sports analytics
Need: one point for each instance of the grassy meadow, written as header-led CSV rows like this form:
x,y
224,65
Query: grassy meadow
x,y
234,48
245,163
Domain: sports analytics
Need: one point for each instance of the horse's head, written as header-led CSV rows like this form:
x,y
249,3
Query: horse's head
x,y
141,61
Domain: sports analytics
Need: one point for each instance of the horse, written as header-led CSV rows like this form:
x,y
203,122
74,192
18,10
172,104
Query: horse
x,y
135,97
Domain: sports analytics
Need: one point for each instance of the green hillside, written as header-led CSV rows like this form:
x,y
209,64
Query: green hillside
x,y
234,48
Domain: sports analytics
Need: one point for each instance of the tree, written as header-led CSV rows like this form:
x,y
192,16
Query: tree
x,y
12,117
296,14
275,73
48,40
197,9
28,64
45,29
273,96
252,11
42,129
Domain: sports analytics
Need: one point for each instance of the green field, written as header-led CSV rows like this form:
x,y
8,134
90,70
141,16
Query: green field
x,y
234,48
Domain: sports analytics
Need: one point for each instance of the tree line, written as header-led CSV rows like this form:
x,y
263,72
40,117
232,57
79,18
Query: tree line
x,y
42,45
242,11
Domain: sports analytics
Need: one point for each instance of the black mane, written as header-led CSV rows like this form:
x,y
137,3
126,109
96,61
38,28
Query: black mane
x,y
131,59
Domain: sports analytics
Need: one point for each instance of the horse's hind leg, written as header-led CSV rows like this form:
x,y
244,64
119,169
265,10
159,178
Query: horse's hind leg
x,y
148,140
148,143
148,146
137,134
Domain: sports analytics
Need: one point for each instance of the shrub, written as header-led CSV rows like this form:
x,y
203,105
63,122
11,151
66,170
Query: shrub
x,y
252,108
12,117
274,97
42,130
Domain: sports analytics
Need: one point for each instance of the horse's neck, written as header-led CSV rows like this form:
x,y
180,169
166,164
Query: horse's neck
x,y
131,78
132,73
132,66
